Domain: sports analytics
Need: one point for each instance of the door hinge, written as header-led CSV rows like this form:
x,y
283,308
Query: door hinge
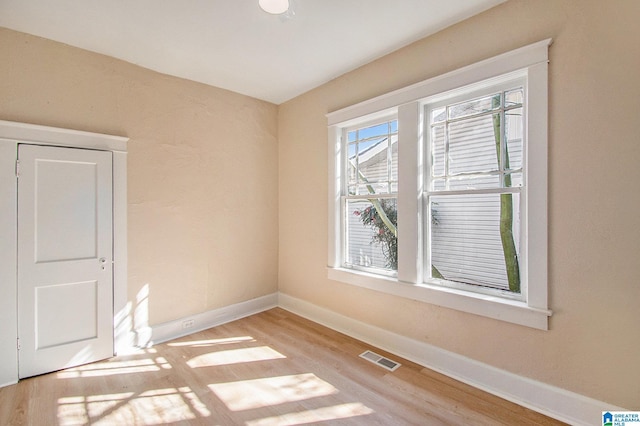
x,y
18,339
17,168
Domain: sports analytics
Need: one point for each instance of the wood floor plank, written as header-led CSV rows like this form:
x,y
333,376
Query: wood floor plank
x,y
273,368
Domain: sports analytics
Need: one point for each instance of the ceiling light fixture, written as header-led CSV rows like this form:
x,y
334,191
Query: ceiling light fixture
x,y
275,7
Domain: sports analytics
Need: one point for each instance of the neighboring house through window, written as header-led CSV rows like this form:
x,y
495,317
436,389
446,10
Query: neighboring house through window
x,y
438,190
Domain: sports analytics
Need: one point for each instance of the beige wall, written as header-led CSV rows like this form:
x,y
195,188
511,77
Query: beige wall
x,y
593,346
202,169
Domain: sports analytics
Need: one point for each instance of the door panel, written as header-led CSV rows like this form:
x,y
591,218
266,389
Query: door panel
x,y
65,283
66,313
66,227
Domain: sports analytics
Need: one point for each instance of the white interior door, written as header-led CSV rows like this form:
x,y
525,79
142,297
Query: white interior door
x,y
65,278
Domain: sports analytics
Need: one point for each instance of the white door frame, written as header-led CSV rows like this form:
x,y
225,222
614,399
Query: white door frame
x,y
12,134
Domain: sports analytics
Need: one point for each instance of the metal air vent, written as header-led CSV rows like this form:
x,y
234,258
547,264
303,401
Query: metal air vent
x,y
380,360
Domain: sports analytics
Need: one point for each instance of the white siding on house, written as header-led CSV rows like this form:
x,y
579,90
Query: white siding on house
x,y
361,249
472,150
465,238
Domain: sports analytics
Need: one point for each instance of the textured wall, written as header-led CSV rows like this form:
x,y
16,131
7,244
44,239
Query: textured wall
x,y
202,170
593,346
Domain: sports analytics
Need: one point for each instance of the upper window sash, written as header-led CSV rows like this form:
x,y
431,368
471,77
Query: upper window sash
x,y
357,142
440,107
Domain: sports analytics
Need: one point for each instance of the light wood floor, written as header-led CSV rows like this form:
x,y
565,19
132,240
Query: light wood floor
x,y
273,368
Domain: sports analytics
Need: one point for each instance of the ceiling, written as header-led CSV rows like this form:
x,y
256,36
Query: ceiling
x,y
233,44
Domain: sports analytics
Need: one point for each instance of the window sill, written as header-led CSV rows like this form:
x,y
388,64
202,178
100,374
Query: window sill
x,y
512,311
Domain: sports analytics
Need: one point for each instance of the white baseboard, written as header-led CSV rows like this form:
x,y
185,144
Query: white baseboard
x,y
552,401
174,329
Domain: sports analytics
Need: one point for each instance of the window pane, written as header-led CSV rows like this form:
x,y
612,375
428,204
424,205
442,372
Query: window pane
x,y
472,243
371,233
437,150
365,189
364,146
373,188
438,185
374,164
352,172
513,180
475,106
513,133
394,159
374,131
351,151
438,114
472,146
474,182
513,97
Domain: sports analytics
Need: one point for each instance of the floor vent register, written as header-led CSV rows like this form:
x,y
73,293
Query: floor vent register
x,y
380,360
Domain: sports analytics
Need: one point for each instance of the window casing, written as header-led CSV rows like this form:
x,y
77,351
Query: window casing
x,y
471,189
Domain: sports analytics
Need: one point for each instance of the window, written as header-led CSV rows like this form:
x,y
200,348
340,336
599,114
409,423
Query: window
x,y
474,180
438,191
369,200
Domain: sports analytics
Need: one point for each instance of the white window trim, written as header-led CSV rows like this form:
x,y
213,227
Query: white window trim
x,y
533,311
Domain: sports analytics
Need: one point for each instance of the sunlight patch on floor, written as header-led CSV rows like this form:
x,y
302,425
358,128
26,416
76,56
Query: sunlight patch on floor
x,y
159,406
257,393
78,410
235,356
109,368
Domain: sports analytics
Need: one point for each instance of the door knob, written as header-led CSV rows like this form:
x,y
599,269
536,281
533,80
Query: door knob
x,y
103,263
